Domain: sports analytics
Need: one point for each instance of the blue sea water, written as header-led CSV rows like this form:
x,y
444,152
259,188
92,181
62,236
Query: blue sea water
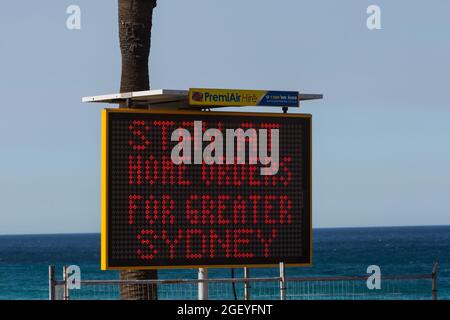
x,y
24,259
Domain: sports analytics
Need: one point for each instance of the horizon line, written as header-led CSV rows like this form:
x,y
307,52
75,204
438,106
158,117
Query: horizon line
x,y
314,228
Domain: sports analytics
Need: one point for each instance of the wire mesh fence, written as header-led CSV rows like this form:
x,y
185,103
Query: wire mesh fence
x,y
218,289
400,287
417,289
414,288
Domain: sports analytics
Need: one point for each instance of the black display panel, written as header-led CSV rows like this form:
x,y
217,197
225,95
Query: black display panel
x,y
160,213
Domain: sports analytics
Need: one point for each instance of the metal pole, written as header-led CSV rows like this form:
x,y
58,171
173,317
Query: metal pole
x,y
434,276
66,286
247,284
202,286
51,282
282,282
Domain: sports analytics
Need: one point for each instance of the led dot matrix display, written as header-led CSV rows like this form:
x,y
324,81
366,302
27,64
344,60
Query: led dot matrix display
x,y
158,214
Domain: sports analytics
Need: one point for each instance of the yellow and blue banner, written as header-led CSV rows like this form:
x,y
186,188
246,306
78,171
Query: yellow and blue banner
x,y
241,98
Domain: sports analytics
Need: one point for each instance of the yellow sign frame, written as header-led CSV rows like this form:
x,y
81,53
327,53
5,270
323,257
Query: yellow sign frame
x,y
104,186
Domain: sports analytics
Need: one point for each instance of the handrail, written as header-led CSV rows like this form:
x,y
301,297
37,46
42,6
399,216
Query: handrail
x,y
180,281
243,280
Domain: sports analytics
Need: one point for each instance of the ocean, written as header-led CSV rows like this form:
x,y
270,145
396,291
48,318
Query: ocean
x,y
24,259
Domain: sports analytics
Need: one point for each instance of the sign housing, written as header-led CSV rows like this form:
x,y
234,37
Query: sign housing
x,y
156,214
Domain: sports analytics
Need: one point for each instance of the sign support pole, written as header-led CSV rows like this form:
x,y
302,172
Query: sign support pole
x,y
203,286
282,282
66,285
246,284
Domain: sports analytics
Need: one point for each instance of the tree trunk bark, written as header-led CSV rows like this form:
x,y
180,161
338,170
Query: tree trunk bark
x,y
135,25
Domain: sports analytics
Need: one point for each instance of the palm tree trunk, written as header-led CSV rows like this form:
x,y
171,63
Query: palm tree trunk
x,y
135,27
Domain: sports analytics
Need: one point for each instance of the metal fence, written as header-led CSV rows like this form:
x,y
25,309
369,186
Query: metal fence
x,y
393,287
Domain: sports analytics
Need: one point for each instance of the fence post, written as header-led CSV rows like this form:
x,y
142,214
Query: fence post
x,y
203,286
247,284
282,282
51,283
66,295
434,276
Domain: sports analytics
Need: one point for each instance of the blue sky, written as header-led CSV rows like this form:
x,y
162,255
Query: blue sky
x,y
381,135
